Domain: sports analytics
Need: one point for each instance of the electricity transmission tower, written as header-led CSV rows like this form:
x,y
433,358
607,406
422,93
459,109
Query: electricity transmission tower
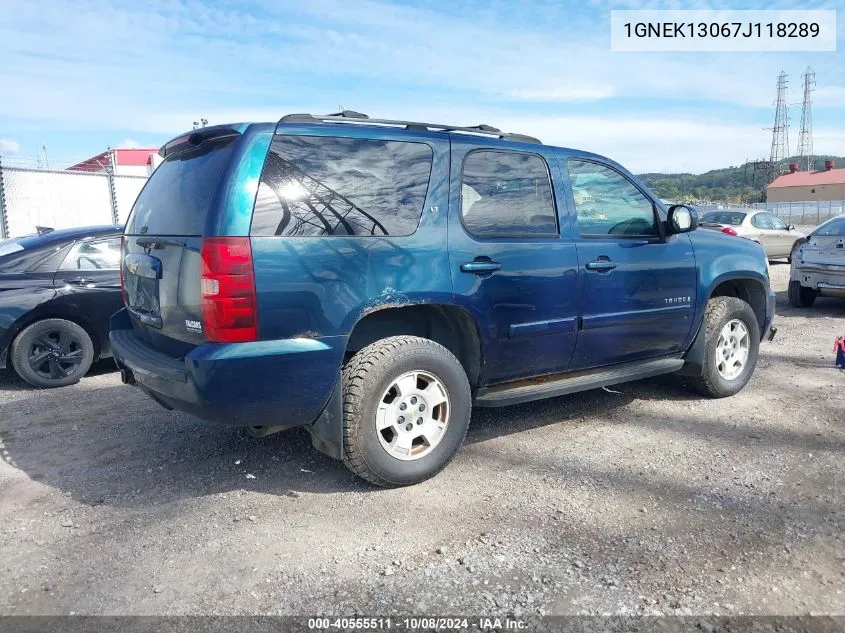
x,y
805,137
780,132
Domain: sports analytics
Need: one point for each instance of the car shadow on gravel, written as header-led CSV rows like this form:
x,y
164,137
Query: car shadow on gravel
x,y
107,444
823,307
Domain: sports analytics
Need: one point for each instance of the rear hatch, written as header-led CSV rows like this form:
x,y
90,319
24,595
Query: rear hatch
x,y
825,250
162,265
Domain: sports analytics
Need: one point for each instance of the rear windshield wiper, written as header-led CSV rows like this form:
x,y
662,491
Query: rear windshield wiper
x,y
158,242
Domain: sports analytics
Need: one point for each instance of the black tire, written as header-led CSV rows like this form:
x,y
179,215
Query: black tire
x,y
720,311
71,348
367,376
800,296
795,247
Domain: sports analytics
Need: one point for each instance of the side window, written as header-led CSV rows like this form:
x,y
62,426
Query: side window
x,y
323,185
761,221
607,203
836,228
507,194
93,255
777,223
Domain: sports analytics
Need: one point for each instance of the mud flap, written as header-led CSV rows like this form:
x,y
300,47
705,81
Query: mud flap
x,y
694,358
327,430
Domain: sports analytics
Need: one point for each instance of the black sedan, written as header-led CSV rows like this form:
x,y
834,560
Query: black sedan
x,y
57,292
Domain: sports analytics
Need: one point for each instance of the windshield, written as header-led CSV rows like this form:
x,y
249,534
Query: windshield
x,y
9,246
724,217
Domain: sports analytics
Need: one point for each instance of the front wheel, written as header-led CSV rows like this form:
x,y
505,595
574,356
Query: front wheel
x,y
406,410
732,342
52,353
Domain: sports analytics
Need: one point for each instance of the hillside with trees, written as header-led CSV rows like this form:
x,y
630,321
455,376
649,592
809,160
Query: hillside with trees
x,y
741,183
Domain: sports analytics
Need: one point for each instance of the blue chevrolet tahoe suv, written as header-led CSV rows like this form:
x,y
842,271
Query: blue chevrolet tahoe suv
x,y
374,280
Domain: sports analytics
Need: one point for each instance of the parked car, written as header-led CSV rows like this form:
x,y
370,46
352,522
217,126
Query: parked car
x,y
57,292
374,280
818,267
776,236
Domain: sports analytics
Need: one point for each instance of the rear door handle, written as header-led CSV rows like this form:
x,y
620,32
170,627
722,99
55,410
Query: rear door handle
x,y
480,267
601,265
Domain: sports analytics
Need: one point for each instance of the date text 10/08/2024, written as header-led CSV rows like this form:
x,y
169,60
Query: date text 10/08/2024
x,y
418,623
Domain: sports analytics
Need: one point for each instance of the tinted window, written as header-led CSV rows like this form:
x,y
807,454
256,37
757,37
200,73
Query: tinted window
x,y
94,255
723,217
177,197
607,203
507,194
834,228
321,185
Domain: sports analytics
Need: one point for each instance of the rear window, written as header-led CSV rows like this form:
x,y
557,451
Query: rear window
x,y
177,197
323,185
724,217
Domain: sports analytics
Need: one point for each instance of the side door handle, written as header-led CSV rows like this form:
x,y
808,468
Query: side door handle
x,y
602,265
480,267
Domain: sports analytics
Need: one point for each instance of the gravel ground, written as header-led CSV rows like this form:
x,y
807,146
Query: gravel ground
x,y
645,501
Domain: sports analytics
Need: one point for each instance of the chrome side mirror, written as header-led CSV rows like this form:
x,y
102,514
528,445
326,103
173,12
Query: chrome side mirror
x,y
682,219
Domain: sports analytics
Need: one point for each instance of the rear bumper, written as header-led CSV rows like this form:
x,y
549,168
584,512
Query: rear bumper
x,y
285,382
827,278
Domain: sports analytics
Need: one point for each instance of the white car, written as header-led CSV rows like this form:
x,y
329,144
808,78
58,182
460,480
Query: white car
x,y
776,236
818,266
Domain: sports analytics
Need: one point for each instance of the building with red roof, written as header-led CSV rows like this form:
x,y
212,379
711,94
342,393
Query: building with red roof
x,y
125,162
797,186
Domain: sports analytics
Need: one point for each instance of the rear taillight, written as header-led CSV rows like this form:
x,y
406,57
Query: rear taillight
x,y
229,307
122,255
729,231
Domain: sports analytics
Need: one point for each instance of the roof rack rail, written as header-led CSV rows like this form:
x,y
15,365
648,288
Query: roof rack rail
x,y
350,116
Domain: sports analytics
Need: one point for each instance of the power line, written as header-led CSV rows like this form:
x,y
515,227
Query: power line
x,y
805,136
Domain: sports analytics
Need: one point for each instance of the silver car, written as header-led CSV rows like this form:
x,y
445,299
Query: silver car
x,y
818,266
776,236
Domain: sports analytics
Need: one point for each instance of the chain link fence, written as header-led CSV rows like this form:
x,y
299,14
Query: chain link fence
x,y
62,199
807,213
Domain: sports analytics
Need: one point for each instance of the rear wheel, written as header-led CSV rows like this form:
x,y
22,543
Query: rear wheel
x,y
732,342
406,410
52,353
800,296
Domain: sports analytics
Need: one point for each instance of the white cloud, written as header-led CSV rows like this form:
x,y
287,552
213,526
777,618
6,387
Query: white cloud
x,y
154,68
562,94
8,146
128,143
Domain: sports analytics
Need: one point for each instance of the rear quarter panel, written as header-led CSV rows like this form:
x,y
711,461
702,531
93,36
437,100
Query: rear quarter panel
x,y
321,286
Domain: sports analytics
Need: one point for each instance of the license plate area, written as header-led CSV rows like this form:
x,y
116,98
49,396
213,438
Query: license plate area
x,y
142,274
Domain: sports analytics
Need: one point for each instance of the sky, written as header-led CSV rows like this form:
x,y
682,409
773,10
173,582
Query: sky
x,y
78,77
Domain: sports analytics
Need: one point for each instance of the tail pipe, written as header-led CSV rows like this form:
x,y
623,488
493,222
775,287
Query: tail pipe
x,y
127,377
